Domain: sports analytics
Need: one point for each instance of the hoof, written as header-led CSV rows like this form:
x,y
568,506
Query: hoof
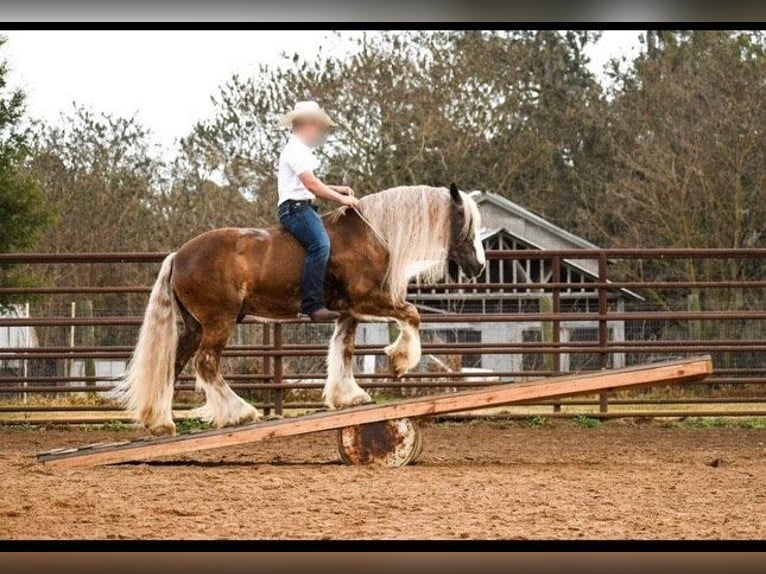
x,y
165,429
250,415
363,399
354,401
400,365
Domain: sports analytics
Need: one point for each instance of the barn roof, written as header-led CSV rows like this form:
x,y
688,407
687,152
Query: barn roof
x,y
523,223
501,215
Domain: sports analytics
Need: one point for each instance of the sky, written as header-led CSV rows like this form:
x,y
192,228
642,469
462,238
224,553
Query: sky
x,y
166,78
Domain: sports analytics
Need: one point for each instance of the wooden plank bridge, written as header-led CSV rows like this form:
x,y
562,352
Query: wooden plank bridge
x,y
671,372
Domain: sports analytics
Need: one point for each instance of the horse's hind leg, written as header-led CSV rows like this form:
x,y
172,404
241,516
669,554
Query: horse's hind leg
x,y
341,388
189,337
223,407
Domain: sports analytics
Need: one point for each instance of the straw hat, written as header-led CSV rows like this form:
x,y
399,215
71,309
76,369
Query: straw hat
x,y
306,109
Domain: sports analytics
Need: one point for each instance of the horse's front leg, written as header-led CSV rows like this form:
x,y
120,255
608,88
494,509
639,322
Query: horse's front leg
x,y
341,388
405,351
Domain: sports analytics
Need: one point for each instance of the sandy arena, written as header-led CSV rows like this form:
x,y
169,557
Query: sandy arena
x,y
480,480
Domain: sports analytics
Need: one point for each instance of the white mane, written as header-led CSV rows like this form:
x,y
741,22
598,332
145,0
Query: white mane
x,y
414,221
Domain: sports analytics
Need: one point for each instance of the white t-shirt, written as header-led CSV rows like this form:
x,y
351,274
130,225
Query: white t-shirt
x,y
296,158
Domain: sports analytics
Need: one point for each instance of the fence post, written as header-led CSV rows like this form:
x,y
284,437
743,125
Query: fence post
x,y
266,367
70,362
27,343
693,305
603,325
89,340
278,366
556,324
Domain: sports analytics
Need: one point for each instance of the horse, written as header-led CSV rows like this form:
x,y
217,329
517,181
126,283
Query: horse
x,y
219,277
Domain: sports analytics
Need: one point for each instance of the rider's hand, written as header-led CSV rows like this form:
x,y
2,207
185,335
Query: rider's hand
x,y
344,189
350,201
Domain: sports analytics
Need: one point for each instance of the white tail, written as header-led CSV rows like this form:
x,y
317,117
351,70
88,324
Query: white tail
x,y
146,390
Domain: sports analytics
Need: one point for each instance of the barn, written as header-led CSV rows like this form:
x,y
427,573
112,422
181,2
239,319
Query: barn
x,y
15,337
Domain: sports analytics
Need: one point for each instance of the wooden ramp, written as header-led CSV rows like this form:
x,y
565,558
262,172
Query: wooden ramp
x,y
689,370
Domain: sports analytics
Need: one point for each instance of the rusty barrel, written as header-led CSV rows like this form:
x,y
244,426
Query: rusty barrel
x,y
391,443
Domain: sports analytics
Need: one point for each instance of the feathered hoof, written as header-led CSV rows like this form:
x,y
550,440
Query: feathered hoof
x,y
353,401
400,370
164,429
247,416
400,364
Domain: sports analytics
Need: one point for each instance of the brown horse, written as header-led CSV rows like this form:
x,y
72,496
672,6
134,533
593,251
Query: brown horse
x,y
214,280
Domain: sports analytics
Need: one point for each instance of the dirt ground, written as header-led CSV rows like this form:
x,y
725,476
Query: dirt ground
x,y
480,480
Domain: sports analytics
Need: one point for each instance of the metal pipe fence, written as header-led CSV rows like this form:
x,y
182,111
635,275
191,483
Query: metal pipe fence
x,y
689,301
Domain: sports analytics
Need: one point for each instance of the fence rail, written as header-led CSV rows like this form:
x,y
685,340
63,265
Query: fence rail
x,y
686,316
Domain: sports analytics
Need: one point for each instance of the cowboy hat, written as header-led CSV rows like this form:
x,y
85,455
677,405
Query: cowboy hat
x,y
306,109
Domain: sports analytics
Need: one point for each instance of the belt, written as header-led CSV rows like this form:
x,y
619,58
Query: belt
x,y
298,201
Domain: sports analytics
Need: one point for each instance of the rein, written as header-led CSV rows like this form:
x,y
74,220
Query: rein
x,y
371,226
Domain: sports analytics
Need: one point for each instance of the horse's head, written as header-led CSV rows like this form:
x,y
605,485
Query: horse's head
x,y
465,248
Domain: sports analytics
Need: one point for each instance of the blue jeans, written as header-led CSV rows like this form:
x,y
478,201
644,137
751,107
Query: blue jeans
x,y
302,220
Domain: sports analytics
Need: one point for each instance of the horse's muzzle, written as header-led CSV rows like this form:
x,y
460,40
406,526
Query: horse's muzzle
x,y
475,270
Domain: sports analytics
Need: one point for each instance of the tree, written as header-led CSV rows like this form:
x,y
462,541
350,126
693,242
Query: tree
x,y
23,212
99,173
688,154
191,202
511,112
101,176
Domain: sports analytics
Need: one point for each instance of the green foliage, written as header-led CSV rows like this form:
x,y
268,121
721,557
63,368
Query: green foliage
x,y
188,425
587,422
99,172
23,427
109,426
23,211
502,111
686,155
515,112
536,421
115,426
756,423
670,153
700,422
653,160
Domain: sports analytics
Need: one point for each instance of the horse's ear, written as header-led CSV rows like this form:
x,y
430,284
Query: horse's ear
x,y
455,193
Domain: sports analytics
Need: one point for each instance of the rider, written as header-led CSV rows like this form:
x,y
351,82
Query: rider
x,y
298,187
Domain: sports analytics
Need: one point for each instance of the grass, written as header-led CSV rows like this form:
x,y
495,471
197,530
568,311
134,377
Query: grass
x,y
191,424
532,421
587,422
755,423
536,421
113,426
182,426
24,427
